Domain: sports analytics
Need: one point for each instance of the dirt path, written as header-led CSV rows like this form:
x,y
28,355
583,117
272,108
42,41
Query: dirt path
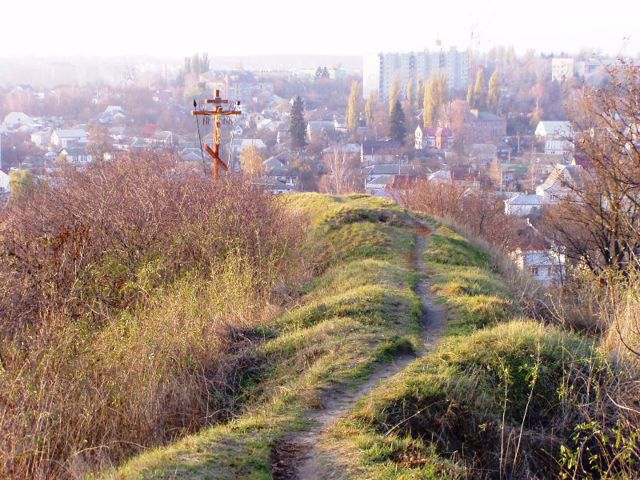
x,y
298,456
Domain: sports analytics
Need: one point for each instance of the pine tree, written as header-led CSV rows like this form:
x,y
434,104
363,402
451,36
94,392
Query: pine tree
x,y
354,108
478,91
397,128
493,95
298,126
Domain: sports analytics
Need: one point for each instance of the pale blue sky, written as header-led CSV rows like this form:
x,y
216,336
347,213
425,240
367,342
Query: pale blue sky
x,y
131,27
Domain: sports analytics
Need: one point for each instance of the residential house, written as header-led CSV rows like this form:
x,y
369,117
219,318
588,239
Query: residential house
x,y
67,138
523,205
238,145
41,138
557,137
380,151
546,266
112,114
425,137
560,183
483,127
5,184
444,138
317,130
16,120
75,154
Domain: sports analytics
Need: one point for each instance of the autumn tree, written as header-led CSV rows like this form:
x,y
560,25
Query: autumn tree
x,y
397,127
598,221
479,100
394,93
443,89
420,97
430,102
411,98
370,108
100,142
298,125
470,96
342,173
21,183
354,108
252,161
493,94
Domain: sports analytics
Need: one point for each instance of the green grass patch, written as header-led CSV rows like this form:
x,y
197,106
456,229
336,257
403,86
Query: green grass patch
x,y
442,417
360,311
462,278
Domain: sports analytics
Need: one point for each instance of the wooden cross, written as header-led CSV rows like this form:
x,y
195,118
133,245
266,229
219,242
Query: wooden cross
x,y
217,112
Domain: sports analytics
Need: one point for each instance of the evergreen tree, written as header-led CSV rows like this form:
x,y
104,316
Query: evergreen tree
x,y
354,108
478,91
493,94
298,125
397,128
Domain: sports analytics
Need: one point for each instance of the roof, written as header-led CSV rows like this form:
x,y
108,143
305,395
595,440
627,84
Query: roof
x,y
13,118
388,169
382,180
73,133
554,129
563,174
372,147
525,200
484,116
533,258
441,175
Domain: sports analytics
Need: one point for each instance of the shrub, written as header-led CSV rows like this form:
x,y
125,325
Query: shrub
x,y
126,291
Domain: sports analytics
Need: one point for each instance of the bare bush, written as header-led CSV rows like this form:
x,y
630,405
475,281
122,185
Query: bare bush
x,y
128,293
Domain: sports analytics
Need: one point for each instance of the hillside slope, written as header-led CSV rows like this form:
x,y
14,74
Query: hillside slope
x,y
490,400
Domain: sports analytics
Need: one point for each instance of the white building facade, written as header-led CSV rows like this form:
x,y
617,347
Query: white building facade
x,y
382,69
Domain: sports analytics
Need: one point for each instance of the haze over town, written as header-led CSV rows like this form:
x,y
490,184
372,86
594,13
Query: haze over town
x,y
310,240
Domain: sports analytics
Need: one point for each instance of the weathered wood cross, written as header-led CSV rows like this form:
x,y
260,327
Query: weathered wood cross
x,y
217,112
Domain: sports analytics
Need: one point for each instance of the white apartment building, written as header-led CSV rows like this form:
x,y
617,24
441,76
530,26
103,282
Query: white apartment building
x,y
381,69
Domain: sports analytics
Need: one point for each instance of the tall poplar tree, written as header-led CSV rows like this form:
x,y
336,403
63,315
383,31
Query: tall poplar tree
x,y
370,108
493,94
479,99
354,108
394,93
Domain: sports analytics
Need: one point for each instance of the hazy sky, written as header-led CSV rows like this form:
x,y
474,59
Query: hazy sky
x,y
178,28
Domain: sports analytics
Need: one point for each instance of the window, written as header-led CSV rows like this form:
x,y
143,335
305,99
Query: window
x,y
534,271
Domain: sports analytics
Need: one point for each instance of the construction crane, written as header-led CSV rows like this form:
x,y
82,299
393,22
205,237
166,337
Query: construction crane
x,y
217,113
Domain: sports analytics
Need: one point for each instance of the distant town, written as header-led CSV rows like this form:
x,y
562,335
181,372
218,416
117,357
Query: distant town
x,y
491,122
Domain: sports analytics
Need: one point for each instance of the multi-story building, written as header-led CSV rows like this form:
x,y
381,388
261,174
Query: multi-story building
x,y
381,69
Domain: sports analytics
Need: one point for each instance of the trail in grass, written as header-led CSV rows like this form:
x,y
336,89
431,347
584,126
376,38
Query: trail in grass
x,y
298,456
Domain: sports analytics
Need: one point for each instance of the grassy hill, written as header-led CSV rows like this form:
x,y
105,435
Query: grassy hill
x,y
498,396
147,335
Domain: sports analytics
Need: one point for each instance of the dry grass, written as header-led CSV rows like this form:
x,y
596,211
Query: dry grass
x,y
127,291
